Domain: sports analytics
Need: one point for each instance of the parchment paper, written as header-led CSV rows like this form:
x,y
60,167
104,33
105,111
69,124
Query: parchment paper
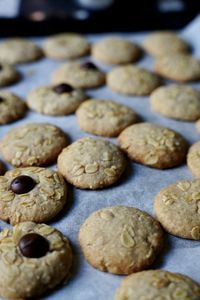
x,y
137,188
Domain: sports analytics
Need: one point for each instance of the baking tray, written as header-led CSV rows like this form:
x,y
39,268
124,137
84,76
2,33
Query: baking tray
x,y
137,188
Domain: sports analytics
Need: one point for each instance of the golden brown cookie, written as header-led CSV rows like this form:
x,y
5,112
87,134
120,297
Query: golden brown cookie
x,y
120,239
57,100
11,107
115,50
33,144
79,75
66,46
158,285
34,259
105,117
19,50
8,74
176,101
178,67
91,163
132,80
162,43
31,194
177,208
193,159
153,145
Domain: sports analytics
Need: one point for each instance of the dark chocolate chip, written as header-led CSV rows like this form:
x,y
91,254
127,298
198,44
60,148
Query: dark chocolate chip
x,y
33,245
63,88
89,65
22,184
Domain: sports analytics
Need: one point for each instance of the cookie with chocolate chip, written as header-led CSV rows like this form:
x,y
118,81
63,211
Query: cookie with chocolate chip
x,y
116,50
31,194
120,239
58,100
66,46
177,208
158,285
12,107
153,145
35,258
91,163
19,50
8,74
132,80
33,144
79,75
105,117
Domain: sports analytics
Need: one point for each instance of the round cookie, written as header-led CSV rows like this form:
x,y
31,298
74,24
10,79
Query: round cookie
x,y
178,67
158,285
193,159
18,50
31,194
153,145
164,43
79,75
58,100
115,50
177,208
198,125
104,117
33,144
11,107
66,46
34,259
8,74
120,239
132,80
181,102
91,164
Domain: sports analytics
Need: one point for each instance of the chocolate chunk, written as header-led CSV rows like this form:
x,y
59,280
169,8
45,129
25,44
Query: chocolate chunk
x,y
89,65
63,88
22,184
33,245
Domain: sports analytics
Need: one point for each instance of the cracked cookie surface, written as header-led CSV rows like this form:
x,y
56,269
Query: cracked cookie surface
x,y
44,201
33,144
91,163
153,145
120,239
25,277
158,285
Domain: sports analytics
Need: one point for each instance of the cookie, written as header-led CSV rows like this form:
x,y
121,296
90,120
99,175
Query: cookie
x,y
132,80
11,107
153,145
193,159
180,102
34,259
158,285
57,100
178,67
18,50
120,239
198,125
164,43
31,194
33,144
91,164
177,208
105,117
8,74
79,75
115,50
66,46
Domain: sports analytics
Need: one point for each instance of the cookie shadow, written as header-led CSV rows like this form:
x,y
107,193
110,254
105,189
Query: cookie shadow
x,y
126,176
160,261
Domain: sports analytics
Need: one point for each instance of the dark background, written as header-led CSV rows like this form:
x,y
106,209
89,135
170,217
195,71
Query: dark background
x,y
41,17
